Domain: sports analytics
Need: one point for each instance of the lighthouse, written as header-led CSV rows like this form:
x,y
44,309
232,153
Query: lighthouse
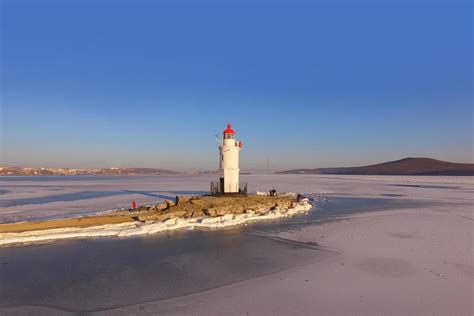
x,y
229,170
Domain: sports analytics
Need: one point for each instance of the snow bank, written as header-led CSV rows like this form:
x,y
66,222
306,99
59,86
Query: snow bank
x,y
149,228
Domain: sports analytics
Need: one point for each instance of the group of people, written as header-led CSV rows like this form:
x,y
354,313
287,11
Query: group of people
x,y
168,203
299,197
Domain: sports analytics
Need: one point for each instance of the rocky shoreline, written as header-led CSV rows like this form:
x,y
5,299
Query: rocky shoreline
x,y
194,212
210,206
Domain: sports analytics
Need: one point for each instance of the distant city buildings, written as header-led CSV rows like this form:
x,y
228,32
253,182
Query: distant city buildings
x,y
28,171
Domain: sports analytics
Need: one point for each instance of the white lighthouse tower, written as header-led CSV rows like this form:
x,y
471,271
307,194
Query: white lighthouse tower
x,y
229,162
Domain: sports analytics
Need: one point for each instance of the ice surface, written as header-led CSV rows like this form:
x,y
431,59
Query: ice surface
x,y
37,198
411,260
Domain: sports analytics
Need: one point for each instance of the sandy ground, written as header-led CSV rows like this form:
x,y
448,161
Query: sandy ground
x,y
410,261
64,223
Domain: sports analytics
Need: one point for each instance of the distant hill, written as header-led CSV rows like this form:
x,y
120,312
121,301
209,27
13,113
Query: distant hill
x,y
407,166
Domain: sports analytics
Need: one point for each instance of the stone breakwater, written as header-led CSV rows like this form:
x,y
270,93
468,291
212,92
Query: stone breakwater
x,y
206,212
211,206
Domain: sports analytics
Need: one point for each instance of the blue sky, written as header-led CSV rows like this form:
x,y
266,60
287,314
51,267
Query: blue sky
x,y
310,84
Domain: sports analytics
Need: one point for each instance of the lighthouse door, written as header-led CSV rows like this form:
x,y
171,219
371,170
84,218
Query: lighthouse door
x,y
222,185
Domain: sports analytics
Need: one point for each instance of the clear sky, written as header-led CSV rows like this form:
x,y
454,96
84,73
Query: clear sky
x,y
311,84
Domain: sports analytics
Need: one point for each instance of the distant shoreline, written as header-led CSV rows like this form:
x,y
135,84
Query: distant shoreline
x,y
243,174
90,175
402,167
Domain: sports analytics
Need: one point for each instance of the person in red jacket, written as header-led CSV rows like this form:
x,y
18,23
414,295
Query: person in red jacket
x,y
134,205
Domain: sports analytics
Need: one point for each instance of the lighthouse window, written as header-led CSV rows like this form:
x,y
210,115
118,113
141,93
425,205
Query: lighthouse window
x,y
229,136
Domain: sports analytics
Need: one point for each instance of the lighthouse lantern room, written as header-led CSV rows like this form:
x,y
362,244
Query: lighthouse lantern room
x,y
229,149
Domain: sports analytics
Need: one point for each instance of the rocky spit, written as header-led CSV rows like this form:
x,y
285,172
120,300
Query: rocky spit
x,y
194,212
211,206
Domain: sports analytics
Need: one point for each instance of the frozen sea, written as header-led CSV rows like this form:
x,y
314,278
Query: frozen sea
x,y
39,198
370,245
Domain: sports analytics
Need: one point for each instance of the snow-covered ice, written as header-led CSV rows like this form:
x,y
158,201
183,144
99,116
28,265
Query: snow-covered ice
x,y
414,260
37,198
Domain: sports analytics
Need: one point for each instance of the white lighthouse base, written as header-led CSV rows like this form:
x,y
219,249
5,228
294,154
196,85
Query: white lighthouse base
x,y
230,180
217,188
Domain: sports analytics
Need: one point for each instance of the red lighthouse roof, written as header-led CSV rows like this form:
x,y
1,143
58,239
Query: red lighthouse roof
x,y
229,130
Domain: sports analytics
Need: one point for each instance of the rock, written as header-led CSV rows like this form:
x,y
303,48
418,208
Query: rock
x,y
250,212
228,217
223,210
212,212
142,209
197,214
262,210
180,213
211,220
171,222
184,199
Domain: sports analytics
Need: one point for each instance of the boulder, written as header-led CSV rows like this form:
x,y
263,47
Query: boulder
x,y
228,217
171,222
197,214
211,220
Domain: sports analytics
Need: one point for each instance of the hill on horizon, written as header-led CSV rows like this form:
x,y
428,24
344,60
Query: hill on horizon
x,y
406,166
